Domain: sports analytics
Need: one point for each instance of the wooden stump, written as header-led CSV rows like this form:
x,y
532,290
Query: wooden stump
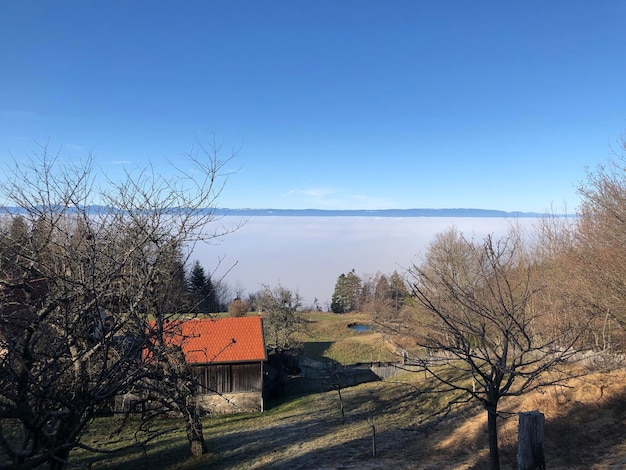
x,y
530,454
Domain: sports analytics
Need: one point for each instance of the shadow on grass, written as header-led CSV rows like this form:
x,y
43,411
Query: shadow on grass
x,y
165,452
316,349
318,439
306,433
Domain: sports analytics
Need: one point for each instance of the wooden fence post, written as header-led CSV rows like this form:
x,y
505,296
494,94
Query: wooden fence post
x,y
373,425
530,454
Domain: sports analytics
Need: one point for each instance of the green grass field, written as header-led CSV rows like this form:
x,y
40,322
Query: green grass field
x,y
327,337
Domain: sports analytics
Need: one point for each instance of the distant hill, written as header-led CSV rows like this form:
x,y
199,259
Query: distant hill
x,y
378,213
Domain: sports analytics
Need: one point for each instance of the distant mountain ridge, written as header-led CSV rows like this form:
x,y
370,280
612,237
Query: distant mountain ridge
x,y
378,213
95,209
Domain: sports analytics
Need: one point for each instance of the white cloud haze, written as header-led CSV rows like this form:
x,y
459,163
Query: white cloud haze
x,y
307,254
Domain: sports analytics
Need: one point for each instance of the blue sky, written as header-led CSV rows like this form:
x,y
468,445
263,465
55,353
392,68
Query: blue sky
x,y
332,104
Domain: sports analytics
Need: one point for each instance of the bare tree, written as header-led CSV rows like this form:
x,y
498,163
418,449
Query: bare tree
x,y
598,240
279,307
281,324
334,379
571,294
169,386
85,263
583,258
475,309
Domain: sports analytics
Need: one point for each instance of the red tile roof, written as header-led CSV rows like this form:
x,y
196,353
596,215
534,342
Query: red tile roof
x,y
223,340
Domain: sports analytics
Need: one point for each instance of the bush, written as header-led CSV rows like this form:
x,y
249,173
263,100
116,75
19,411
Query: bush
x,y
238,308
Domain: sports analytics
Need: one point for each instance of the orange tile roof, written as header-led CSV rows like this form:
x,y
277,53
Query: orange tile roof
x,y
223,340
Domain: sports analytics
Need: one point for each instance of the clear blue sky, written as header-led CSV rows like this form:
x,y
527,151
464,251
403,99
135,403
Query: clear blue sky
x,y
335,104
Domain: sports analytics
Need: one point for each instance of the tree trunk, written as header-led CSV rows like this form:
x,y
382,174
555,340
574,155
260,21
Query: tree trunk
x,y
58,460
343,411
63,434
194,432
373,425
185,398
492,429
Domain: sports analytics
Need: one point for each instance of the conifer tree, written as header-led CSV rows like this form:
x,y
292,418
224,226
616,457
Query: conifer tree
x,y
202,291
347,293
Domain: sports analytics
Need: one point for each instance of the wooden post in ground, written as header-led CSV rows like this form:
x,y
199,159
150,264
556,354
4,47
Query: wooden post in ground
x,y
530,454
373,425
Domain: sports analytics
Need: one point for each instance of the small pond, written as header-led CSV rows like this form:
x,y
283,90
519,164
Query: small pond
x,y
359,327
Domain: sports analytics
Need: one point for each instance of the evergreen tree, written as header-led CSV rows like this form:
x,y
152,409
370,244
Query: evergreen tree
x,y
397,291
383,289
201,289
338,299
197,277
347,293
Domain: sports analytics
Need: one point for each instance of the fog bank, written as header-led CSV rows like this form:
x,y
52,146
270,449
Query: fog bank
x,y
307,254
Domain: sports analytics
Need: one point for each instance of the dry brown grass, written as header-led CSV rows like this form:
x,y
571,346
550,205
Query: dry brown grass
x,y
585,426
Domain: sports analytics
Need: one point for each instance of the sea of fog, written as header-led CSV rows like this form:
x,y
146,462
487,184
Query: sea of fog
x,y
307,254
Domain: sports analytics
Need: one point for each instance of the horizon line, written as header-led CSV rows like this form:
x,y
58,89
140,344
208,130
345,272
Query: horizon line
x,y
412,212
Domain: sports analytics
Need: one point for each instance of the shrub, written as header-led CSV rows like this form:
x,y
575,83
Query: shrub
x,y
238,308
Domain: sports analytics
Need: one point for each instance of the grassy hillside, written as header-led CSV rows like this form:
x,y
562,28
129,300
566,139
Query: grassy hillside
x,y
585,429
585,422
327,337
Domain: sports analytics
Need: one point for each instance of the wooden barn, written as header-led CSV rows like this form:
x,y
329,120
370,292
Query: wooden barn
x,y
226,356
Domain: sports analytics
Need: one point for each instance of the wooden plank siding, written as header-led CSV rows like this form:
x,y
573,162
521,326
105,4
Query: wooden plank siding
x,y
229,378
